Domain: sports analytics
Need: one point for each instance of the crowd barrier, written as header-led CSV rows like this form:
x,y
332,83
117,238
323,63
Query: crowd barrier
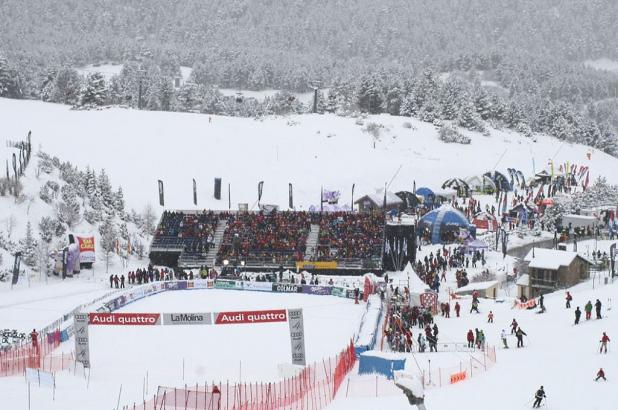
x,y
313,388
15,361
368,332
475,365
384,364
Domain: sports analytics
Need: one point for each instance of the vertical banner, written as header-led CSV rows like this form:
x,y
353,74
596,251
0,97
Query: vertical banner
x,y
260,190
194,192
15,165
16,266
297,336
161,194
82,343
86,249
290,197
612,258
352,202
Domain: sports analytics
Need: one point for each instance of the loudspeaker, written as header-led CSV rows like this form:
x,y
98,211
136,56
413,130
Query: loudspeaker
x,y
217,188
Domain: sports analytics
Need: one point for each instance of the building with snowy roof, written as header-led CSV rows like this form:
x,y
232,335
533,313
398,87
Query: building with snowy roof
x,y
550,269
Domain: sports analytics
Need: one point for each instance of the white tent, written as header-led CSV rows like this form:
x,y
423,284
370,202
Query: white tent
x,y
417,286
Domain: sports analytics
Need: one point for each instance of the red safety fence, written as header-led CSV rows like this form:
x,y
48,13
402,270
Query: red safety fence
x,y
312,389
13,362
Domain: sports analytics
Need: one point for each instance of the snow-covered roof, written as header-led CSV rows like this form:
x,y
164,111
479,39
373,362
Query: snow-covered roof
x,y
416,284
524,280
378,198
549,258
477,286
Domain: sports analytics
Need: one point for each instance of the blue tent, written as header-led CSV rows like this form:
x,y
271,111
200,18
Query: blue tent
x,y
428,195
446,218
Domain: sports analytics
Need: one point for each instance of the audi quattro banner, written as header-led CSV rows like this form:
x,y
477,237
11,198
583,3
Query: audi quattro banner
x,y
253,316
124,319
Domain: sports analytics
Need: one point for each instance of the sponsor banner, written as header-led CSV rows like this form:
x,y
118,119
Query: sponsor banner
x,y
187,318
125,319
178,285
260,286
86,249
316,265
297,336
228,284
526,305
201,284
254,316
338,291
82,341
317,289
286,288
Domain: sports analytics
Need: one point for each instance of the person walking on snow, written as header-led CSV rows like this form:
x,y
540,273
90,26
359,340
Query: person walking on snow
x,y
588,309
470,338
457,308
503,337
604,340
597,307
578,314
490,317
475,306
569,298
600,375
514,325
538,397
520,337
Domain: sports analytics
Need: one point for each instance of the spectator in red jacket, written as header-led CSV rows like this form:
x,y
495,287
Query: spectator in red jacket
x,y
470,338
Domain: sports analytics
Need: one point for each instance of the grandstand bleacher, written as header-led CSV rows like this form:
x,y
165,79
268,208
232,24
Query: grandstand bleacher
x,y
340,242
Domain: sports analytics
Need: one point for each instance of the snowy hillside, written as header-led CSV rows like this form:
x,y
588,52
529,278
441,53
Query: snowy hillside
x,y
137,148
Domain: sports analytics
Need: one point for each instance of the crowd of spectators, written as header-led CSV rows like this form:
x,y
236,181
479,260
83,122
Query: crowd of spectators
x,y
346,235
277,236
194,232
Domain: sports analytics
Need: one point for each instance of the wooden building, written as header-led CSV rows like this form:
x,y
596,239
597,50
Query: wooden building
x,y
550,269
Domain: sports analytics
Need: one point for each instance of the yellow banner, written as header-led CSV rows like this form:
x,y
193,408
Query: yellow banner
x,y
316,265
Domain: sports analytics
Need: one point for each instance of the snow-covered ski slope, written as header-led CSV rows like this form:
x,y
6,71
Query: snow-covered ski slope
x,y
138,147
124,355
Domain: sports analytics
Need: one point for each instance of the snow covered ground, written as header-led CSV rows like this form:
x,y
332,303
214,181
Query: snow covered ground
x,y
137,147
123,355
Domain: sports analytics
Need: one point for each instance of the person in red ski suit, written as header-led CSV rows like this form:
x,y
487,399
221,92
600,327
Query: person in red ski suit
x,y
457,308
604,341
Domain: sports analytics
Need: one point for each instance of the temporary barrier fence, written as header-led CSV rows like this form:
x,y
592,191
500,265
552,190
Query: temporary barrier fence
x,y
312,389
14,362
475,365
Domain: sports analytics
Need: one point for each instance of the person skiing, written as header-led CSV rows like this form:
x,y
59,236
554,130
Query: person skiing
x,y
490,317
457,308
568,298
470,338
514,325
597,307
578,314
520,337
538,397
604,340
588,309
503,337
600,375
